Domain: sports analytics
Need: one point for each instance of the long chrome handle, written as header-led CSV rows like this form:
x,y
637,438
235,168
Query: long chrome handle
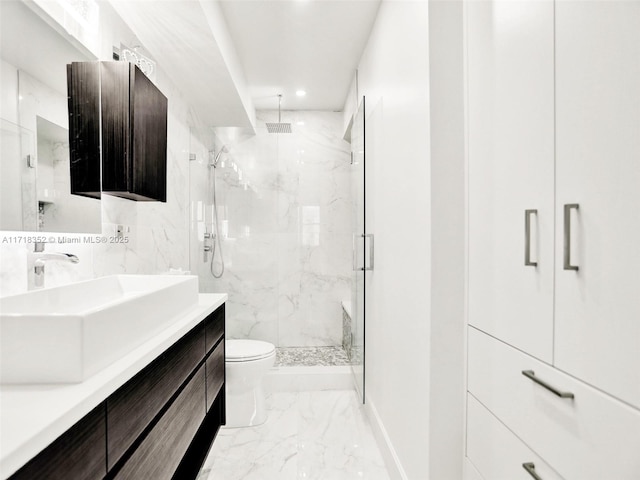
x,y
530,374
567,236
527,238
531,470
370,237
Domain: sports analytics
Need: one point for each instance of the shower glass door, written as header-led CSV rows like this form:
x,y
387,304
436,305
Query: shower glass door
x,y
359,250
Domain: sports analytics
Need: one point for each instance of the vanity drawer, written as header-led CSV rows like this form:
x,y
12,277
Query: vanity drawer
x,y
590,436
160,453
128,415
496,452
215,373
79,453
214,327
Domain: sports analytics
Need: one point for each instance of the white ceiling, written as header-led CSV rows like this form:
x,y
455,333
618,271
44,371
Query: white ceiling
x,y
231,57
228,57
286,45
33,45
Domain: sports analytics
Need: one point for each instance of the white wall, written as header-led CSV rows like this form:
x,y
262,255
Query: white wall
x,y
394,77
446,403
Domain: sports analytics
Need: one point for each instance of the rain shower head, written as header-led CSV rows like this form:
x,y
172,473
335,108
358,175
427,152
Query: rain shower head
x,y
279,127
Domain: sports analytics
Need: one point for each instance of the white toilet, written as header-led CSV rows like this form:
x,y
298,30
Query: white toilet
x,y
247,362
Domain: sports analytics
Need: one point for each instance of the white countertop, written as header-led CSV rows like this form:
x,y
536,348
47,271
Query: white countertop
x,y
33,416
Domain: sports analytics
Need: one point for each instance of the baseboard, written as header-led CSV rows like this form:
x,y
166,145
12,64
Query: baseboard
x,y
391,460
469,471
299,379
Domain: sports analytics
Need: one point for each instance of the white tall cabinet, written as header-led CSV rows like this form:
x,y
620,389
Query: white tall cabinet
x,y
553,116
511,142
597,324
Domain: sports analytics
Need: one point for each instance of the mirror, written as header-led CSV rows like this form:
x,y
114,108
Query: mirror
x,y
34,162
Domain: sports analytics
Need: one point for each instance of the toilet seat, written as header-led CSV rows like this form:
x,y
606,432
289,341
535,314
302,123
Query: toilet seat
x,y
247,350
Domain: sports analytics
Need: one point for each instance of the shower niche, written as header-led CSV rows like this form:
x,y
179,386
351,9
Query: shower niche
x,y
117,132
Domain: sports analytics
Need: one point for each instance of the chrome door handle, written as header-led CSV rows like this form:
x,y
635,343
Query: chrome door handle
x,y
354,252
567,236
531,470
370,237
527,238
530,374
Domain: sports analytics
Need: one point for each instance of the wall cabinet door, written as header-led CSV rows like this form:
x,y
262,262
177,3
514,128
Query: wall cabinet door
x,y
84,128
118,121
597,326
511,168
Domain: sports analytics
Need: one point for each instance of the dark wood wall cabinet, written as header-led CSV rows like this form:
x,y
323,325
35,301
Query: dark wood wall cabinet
x,y
117,132
159,425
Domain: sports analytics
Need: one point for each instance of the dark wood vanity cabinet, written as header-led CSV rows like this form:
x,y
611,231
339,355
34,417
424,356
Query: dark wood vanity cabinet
x,y
117,127
127,416
79,453
158,425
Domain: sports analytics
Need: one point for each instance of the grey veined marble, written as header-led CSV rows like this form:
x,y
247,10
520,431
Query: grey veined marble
x,y
313,435
311,356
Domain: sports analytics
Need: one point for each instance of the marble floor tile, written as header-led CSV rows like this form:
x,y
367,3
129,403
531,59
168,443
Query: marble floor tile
x,y
311,435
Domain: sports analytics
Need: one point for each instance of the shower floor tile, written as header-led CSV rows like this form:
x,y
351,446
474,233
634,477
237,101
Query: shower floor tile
x,y
313,435
311,356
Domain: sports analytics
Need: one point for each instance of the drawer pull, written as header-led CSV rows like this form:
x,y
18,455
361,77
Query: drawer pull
x,y
530,374
531,470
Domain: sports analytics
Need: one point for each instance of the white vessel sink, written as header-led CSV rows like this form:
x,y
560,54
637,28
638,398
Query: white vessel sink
x,y
66,334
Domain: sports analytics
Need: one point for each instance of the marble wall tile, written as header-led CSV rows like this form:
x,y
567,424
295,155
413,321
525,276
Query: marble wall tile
x,y
13,265
15,275
284,201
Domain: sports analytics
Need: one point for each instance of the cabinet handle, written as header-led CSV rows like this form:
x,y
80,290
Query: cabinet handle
x,y
531,470
527,238
567,236
530,374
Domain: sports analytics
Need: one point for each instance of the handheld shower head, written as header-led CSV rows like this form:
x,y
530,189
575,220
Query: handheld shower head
x,y
214,163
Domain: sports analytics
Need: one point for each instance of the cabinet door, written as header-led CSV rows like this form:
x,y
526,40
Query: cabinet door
x,y
83,99
160,453
511,155
597,326
116,126
149,147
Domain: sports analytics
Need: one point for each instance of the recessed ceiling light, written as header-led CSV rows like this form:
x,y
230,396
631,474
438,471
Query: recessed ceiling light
x,y
300,93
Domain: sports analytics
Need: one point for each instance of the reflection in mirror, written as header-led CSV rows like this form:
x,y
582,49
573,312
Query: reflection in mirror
x,y
35,183
58,209
18,209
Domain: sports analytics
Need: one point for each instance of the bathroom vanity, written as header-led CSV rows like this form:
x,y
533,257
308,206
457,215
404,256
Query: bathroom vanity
x,y
154,413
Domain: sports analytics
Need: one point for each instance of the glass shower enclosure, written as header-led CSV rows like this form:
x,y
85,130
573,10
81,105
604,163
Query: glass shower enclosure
x,y
362,251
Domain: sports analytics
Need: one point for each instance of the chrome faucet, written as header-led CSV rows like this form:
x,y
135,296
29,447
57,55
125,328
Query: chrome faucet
x,y
38,259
